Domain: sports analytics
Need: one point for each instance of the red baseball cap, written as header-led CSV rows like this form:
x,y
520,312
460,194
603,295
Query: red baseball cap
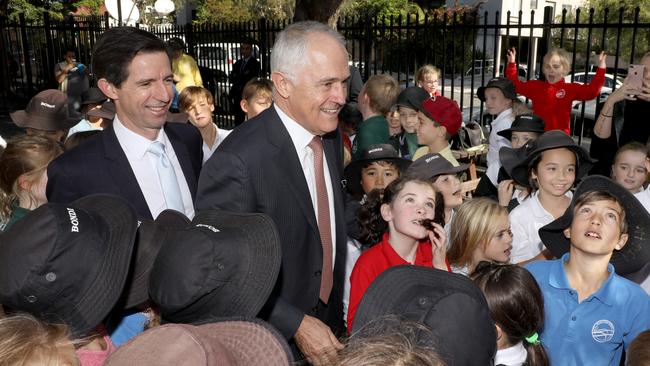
x,y
443,111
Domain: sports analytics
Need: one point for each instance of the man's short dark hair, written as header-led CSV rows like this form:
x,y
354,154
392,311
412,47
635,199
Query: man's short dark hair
x,y
117,47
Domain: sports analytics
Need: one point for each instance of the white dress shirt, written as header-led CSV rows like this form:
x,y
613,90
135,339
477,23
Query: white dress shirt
x,y
301,139
525,222
209,150
143,164
644,198
511,356
502,122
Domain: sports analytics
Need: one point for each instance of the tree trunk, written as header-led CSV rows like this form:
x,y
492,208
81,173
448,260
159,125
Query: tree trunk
x,y
324,11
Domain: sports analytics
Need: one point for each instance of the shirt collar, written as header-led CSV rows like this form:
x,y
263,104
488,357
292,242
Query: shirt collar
x,y
132,143
299,135
557,278
515,355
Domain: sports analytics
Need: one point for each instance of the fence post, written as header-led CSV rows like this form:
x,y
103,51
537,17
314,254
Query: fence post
x,y
367,48
28,60
189,39
263,46
107,24
51,57
546,40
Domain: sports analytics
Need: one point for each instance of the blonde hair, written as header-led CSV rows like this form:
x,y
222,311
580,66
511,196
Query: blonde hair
x,y
27,340
24,155
257,87
382,91
562,54
473,227
192,94
426,70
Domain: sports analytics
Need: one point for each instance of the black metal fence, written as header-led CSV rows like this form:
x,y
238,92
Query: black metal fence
x,y
468,48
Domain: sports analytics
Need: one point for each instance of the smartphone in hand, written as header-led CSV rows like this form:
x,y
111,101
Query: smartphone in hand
x,y
635,77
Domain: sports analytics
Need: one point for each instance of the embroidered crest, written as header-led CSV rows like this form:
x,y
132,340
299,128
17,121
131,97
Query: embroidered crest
x,y
560,94
602,331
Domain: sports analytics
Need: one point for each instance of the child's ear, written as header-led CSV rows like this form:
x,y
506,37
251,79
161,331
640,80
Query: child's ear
x,y
386,213
244,105
24,183
621,242
567,233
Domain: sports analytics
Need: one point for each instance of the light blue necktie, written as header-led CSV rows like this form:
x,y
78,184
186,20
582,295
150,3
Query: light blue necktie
x,y
167,176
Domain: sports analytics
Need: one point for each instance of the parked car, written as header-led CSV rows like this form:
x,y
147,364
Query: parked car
x,y
590,105
220,57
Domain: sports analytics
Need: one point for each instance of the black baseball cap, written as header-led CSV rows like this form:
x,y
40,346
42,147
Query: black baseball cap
x,y
429,166
412,97
505,85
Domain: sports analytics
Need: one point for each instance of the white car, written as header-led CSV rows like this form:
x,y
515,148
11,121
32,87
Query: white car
x,y
590,105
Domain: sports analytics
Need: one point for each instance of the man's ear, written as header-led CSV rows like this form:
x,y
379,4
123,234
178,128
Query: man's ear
x,y
386,213
107,88
283,85
621,242
567,233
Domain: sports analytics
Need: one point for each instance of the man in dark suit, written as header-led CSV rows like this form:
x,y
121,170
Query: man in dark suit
x,y
270,164
154,165
245,69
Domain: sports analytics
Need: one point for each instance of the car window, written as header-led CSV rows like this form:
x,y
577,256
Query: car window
x,y
609,82
212,53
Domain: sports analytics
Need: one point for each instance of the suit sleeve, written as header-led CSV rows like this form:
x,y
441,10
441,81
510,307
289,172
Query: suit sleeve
x,y
60,187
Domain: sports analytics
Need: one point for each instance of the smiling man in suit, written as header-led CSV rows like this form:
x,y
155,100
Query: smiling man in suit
x,y
153,164
286,162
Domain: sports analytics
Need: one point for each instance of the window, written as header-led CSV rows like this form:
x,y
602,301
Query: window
x,y
533,4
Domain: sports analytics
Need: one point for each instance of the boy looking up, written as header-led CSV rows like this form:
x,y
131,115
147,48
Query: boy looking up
x,y
592,313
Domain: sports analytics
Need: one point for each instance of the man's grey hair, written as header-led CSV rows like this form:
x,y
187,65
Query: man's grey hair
x,y
288,54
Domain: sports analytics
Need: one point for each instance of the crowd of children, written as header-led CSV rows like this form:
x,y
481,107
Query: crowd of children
x,y
556,262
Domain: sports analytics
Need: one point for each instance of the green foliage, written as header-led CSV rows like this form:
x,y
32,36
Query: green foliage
x,y
93,6
34,12
216,11
379,8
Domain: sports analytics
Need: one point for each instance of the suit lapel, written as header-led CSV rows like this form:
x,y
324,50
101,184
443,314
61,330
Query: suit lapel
x,y
121,172
289,167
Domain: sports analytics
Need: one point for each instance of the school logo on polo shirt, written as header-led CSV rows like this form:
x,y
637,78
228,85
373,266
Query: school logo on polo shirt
x,y
560,94
602,331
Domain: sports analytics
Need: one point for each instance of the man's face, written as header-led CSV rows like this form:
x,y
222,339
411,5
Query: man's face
x,y
143,98
246,50
70,57
200,113
318,89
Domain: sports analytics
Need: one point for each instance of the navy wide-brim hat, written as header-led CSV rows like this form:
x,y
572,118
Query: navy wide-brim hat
x,y
224,264
636,252
516,161
451,305
68,263
377,152
524,123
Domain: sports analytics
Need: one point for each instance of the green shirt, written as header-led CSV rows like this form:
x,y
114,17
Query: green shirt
x,y
17,213
372,131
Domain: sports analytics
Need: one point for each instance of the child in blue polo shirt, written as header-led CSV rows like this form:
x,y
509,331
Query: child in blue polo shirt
x,y
592,313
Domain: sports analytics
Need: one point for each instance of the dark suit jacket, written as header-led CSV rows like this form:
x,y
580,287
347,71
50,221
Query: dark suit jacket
x,y
99,165
256,169
239,77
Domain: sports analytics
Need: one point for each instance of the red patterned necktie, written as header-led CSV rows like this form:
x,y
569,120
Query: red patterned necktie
x,y
324,227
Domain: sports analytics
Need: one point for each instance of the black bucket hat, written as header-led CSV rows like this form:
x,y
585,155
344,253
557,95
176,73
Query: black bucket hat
x,y
224,264
635,254
372,153
46,111
93,96
451,305
524,123
151,235
412,97
68,262
429,166
505,85
515,161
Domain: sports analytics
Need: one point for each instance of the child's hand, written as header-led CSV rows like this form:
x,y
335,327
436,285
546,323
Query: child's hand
x,y
438,238
602,60
506,188
511,53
